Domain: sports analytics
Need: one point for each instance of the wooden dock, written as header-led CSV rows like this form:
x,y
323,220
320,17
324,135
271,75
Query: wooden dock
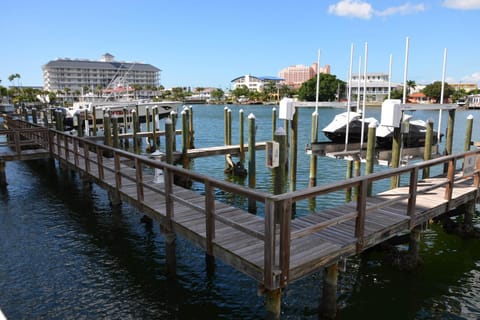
x,y
273,247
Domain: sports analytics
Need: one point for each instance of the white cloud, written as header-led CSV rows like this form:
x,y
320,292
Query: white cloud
x,y
404,9
462,4
364,10
352,8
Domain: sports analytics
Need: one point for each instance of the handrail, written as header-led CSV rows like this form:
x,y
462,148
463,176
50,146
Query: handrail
x,y
278,208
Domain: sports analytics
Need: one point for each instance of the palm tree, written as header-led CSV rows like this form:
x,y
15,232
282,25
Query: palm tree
x,y
411,85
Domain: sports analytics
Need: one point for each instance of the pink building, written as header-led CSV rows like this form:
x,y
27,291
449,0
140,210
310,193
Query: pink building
x,y
298,74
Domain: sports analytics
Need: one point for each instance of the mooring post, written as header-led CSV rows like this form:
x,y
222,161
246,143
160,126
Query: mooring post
x,y
135,130
184,137
225,125
427,154
169,134
414,246
449,142
228,134
174,117
252,206
45,119
312,180
273,302
372,128
3,174
94,120
156,141
293,155
348,191
191,131
241,142
274,121
78,118
468,134
328,304
395,162
469,208
107,132
116,142
357,166
147,118
279,173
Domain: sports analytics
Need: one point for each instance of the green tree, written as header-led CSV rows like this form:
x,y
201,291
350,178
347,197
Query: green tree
x,y
411,85
434,91
240,91
217,94
329,87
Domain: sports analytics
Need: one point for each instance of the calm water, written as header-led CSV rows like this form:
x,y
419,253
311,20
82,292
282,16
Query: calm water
x,y
65,255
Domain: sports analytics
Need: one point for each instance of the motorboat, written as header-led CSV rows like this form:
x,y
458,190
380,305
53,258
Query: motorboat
x,y
337,129
414,136
413,133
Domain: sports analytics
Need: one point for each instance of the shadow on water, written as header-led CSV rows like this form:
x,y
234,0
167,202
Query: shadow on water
x,y
130,256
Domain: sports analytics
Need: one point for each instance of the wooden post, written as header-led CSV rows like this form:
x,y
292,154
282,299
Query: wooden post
x,y
135,130
279,172
274,122
372,128
3,175
427,155
184,138
147,118
414,246
357,166
45,119
94,120
293,154
191,143
328,305
469,208
174,117
156,141
116,142
395,162
225,125
252,206
169,134
273,299
348,192
242,151
449,142
107,129
78,117
468,134
312,180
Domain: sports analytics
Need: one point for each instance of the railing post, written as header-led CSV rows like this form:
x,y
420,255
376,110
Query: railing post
x,y
412,198
450,182
100,163
285,223
139,174
361,211
269,244
209,216
118,175
168,184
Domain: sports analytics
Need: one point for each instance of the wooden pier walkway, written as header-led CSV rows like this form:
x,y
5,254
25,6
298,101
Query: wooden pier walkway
x,y
273,247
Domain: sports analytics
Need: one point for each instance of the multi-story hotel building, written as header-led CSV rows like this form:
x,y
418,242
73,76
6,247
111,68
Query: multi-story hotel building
x,y
296,75
376,86
75,74
254,83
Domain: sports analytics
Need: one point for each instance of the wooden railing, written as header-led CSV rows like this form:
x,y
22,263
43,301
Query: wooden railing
x,y
278,208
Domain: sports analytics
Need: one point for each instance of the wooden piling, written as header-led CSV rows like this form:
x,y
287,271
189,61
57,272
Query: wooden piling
x,y
293,155
273,299
135,128
156,140
395,161
312,179
427,154
372,128
115,142
468,133
191,131
252,206
274,122
34,116
357,166
328,305
169,137
94,120
279,173
174,117
414,247
3,174
78,118
241,134
107,131
348,191
449,142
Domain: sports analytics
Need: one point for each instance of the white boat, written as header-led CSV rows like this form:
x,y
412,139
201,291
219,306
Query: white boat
x,y
337,129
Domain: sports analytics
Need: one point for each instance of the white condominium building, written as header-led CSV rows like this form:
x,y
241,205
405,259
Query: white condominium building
x,y
76,74
376,86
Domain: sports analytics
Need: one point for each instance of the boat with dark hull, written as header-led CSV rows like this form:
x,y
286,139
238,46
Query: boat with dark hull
x,y
415,136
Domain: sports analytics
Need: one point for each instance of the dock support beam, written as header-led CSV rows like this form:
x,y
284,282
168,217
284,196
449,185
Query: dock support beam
x,y
3,176
328,305
414,247
273,302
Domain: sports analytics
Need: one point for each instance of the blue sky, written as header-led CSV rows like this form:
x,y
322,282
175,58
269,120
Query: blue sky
x,y
210,42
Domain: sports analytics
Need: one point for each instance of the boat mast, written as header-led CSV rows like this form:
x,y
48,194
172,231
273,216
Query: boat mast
x,y
439,131
364,94
349,98
316,99
390,76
